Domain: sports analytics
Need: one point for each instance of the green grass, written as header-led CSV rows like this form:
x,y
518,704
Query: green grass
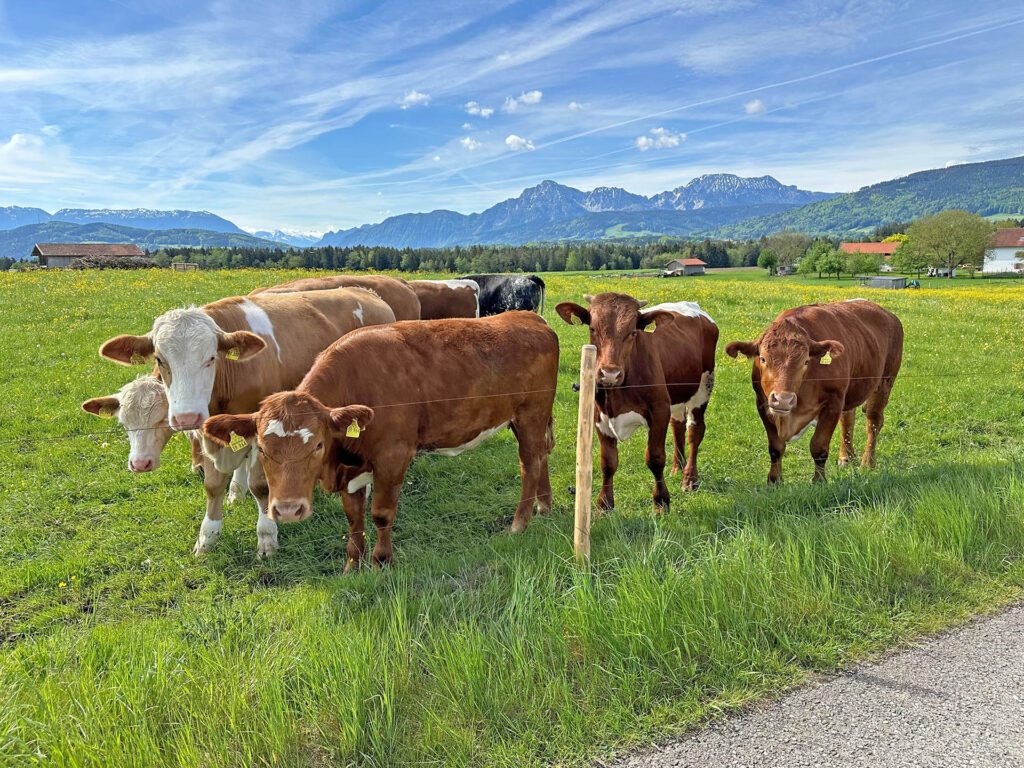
x,y
479,648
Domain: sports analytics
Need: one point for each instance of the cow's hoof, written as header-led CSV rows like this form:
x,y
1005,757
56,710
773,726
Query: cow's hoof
x,y
843,463
518,526
690,483
235,494
201,547
351,565
266,549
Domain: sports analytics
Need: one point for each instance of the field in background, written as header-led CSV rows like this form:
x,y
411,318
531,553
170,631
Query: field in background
x,y
477,648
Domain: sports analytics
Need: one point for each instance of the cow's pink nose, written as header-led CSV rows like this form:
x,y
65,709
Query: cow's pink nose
x,y
288,511
140,465
782,401
182,421
610,375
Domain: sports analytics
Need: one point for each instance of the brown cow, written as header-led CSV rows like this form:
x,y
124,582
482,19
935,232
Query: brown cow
x,y
814,365
227,356
395,292
648,379
441,299
380,395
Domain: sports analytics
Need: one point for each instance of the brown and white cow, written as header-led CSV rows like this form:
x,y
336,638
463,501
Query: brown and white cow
x,y
226,356
395,292
655,366
380,395
440,299
814,365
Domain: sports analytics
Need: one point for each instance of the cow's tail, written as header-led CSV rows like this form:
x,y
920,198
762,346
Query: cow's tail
x,y
543,292
549,436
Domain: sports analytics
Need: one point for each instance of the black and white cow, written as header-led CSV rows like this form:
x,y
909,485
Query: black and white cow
x,y
503,293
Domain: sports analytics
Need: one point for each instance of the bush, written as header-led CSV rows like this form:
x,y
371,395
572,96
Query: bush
x,y
113,262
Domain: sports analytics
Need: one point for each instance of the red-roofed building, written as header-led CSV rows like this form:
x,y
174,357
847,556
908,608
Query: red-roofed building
x,y
1002,254
886,249
685,267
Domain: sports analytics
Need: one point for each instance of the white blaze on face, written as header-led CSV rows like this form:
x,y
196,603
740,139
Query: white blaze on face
x,y
186,341
143,413
275,427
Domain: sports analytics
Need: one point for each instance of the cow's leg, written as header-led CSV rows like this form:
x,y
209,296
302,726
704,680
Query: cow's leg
x,y
874,410
678,440
386,488
828,419
266,529
695,429
239,487
532,455
776,446
355,511
655,458
196,448
609,463
846,424
215,484
544,488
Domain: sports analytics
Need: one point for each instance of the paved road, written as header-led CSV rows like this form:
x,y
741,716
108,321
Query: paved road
x,y
958,700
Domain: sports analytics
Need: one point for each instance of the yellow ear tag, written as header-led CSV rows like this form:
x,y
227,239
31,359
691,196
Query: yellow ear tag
x,y
650,327
353,429
138,359
237,442
232,354
826,359
106,412
575,320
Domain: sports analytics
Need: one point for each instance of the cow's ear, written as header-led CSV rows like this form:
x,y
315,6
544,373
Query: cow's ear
x,y
104,407
240,345
737,348
573,313
127,350
648,321
219,428
352,419
830,346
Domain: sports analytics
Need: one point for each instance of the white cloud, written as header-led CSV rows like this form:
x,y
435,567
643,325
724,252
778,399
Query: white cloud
x,y
50,130
659,138
518,142
437,158
575,106
754,107
512,103
474,108
469,143
467,126
414,99
26,157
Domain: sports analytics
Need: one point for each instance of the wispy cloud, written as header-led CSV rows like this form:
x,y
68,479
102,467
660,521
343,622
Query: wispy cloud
x,y
575,106
659,138
513,103
474,108
754,107
470,143
414,99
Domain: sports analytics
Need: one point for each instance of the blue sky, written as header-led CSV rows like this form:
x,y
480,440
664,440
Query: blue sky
x,y
317,115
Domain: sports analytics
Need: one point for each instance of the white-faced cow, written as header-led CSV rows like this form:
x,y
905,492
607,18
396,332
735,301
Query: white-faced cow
x,y
655,366
380,395
227,356
395,292
442,299
504,293
815,365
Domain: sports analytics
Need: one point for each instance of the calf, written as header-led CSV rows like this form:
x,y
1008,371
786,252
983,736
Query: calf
x,y
442,299
380,395
813,366
654,367
212,359
502,293
395,292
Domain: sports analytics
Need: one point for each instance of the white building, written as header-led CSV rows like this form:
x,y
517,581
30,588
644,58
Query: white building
x,y
1002,255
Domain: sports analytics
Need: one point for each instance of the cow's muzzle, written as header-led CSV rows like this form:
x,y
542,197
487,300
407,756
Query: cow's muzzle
x,y
781,403
610,376
143,465
289,510
183,421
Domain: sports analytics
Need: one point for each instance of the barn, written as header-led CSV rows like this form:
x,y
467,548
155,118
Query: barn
x,y
685,267
886,250
57,255
1006,254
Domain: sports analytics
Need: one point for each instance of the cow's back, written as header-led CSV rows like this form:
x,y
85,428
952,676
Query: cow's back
x,y
444,299
395,292
686,349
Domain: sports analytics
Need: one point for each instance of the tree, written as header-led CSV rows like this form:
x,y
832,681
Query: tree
x,y
831,262
810,262
858,262
899,237
905,259
950,238
788,246
768,260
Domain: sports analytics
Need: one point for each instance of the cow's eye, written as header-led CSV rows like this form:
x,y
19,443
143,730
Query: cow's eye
x,y
259,448
761,360
319,447
160,362
807,361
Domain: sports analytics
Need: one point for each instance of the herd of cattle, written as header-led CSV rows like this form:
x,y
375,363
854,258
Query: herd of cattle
x,y
343,380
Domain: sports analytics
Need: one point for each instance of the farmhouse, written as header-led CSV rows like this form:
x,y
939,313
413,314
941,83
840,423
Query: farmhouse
x,y
684,267
1006,253
57,255
885,249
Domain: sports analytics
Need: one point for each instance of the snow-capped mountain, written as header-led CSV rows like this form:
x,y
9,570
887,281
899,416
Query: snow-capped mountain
x,y
144,218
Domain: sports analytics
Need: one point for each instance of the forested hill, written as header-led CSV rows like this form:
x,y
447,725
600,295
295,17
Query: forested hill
x,y
995,187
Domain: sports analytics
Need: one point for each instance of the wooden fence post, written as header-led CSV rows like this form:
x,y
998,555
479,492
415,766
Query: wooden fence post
x,y
584,452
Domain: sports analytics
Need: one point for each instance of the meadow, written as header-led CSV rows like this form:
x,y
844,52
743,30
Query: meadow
x,y
478,648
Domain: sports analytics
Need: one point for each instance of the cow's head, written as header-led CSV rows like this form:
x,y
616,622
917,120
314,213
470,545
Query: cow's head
x,y
293,432
782,356
187,345
141,406
615,322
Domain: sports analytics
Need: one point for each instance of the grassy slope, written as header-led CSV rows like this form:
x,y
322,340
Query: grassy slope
x,y
479,648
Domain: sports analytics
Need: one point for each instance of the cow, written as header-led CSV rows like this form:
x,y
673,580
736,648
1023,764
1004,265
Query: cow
x,y
395,292
226,356
813,366
655,367
502,293
379,396
141,407
442,299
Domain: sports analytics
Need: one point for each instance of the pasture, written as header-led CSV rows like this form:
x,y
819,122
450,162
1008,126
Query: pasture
x,y
479,648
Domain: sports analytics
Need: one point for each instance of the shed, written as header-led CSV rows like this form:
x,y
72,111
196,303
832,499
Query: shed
x,y
892,282
57,255
184,266
684,267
